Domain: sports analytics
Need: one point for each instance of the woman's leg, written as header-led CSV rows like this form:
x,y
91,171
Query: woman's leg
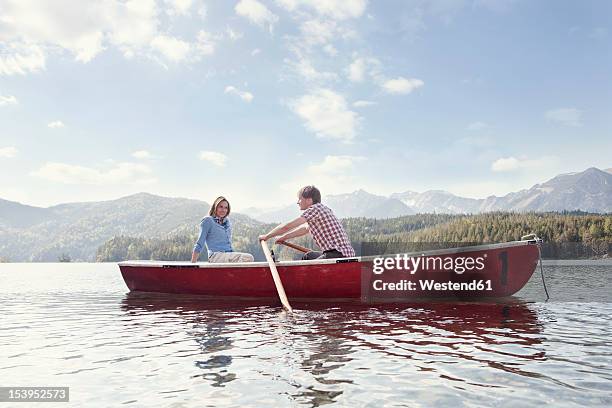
x,y
224,257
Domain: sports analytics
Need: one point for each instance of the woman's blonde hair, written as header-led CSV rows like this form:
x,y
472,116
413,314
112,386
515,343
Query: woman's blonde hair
x,y
213,207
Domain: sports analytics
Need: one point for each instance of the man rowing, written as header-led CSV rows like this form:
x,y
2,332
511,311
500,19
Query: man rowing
x,y
318,220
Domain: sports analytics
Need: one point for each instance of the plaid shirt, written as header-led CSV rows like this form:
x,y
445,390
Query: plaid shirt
x,y
326,230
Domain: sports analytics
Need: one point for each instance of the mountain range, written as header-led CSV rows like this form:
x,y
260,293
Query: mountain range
x,y
44,234
589,190
30,233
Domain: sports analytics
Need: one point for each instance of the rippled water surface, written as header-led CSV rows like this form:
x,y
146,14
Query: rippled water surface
x,y
75,325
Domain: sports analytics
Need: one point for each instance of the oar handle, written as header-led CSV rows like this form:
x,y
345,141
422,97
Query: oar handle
x,y
277,280
294,246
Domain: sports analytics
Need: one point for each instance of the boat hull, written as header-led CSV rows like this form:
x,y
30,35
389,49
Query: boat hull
x,y
506,269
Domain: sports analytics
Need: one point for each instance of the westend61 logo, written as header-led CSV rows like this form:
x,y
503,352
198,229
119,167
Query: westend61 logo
x,y
413,264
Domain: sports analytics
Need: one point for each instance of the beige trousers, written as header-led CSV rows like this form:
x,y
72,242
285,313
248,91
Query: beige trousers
x,y
222,257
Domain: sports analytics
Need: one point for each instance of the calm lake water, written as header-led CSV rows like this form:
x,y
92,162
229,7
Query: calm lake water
x,y
75,325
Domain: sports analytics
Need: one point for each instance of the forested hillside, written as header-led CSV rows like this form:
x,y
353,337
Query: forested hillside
x,y
566,235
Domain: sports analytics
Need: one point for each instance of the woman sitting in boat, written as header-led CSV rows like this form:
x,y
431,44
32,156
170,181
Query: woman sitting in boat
x,y
318,220
216,235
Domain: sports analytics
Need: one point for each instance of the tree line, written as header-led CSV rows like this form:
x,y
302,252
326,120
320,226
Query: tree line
x,y
566,235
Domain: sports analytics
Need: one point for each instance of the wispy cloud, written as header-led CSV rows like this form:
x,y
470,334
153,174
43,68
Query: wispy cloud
x,y
401,85
86,29
244,95
178,7
326,113
335,9
363,104
216,158
362,67
172,48
477,126
56,124
8,100
334,165
8,152
330,50
565,116
142,154
332,173
304,68
21,59
256,13
511,163
119,173
233,34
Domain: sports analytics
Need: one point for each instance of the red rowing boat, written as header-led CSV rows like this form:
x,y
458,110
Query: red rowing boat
x,y
495,270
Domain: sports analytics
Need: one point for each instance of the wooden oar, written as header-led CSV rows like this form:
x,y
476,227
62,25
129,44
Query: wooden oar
x,y
294,246
277,281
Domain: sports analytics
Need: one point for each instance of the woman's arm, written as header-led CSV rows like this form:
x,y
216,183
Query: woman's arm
x,y
199,245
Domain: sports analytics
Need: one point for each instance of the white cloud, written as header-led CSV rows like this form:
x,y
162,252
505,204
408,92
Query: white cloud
x,y
8,152
336,9
505,164
78,27
565,116
402,85
256,12
305,69
356,71
17,58
244,95
510,164
334,165
332,173
233,35
330,50
119,173
31,30
203,12
363,104
318,31
255,52
8,100
216,158
477,126
205,44
142,154
131,25
360,67
172,48
178,7
326,113
56,124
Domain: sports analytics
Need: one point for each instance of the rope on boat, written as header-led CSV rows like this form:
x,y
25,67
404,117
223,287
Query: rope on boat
x,y
542,272
538,241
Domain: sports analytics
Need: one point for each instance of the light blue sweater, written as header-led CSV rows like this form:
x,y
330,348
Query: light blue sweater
x,y
217,237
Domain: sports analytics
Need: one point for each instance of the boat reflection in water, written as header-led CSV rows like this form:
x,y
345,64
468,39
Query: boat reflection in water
x,y
324,350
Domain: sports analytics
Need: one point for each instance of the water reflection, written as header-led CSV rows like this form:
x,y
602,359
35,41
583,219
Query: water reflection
x,y
322,344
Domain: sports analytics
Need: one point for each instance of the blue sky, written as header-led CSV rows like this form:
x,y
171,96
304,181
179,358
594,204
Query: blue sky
x,y
252,99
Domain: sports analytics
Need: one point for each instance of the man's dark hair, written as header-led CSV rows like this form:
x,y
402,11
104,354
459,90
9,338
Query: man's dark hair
x,y
310,192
